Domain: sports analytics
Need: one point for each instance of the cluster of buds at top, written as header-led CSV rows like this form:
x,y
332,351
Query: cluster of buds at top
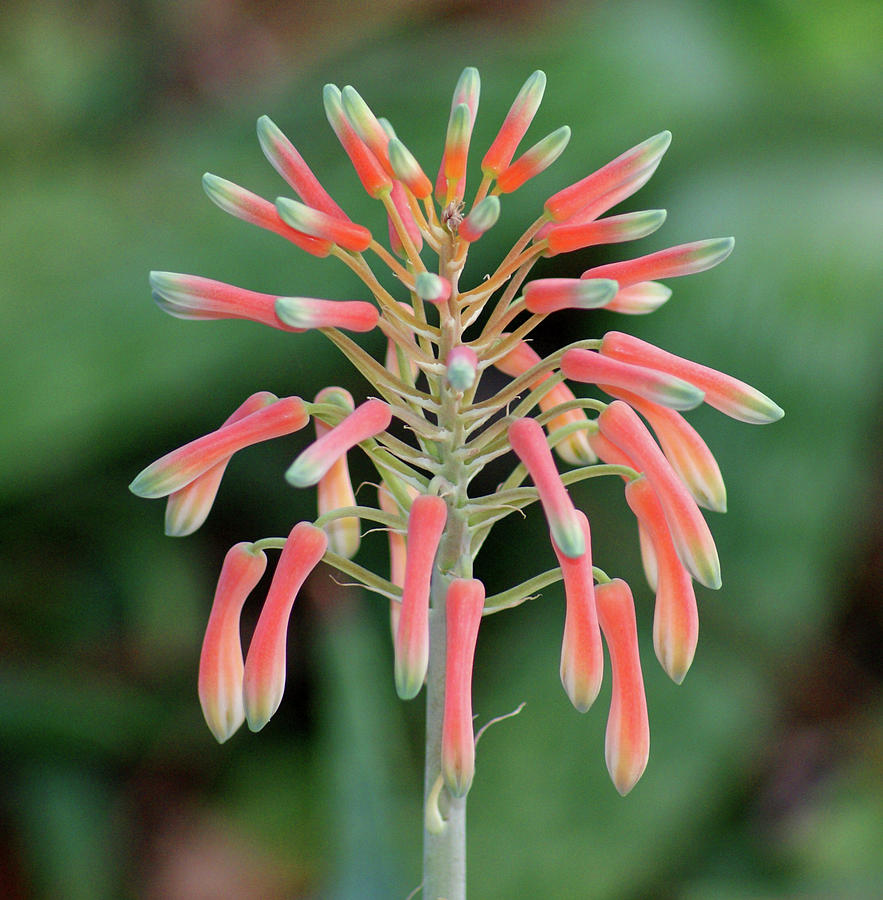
x,y
429,429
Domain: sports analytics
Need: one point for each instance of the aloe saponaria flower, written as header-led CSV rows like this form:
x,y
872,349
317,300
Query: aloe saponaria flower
x,y
429,421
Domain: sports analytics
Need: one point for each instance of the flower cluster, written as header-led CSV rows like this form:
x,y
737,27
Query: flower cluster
x,y
440,341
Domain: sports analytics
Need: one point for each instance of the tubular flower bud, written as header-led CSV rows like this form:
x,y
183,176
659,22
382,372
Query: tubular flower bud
x,y
220,662
688,529
372,175
582,659
685,259
466,92
548,295
627,745
178,468
368,420
684,449
285,159
629,167
613,230
463,608
529,443
732,397
367,126
335,489
301,313
515,125
574,449
426,522
264,678
342,232
593,368
408,170
676,618
534,161
457,143
400,200
194,297
432,288
639,299
256,211
482,218
461,368
188,507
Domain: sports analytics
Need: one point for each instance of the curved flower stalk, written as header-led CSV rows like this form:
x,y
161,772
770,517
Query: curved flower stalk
x,y
441,336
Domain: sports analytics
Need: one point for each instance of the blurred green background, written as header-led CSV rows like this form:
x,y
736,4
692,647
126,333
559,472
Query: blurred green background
x,y
766,764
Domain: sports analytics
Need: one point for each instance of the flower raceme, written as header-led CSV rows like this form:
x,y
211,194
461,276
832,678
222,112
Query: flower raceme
x,y
430,421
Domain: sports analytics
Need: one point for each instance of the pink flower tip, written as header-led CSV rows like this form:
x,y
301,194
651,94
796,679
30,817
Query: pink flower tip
x,y
462,367
534,161
307,312
314,222
517,121
408,170
432,288
548,295
481,219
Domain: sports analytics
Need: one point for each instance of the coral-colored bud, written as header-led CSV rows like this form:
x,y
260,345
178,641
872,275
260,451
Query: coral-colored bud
x,y
194,297
188,507
432,288
220,662
534,161
285,159
627,744
628,167
264,677
689,531
457,142
367,126
463,607
613,230
482,218
256,211
639,299
729,395
529,443
548,295
368,420
335,488
372,175
582,659
408,170
426,522
400,201
397,553
685,259
342,232
593,368
515,125
308,312
178,468
462,367
676,618
683,448
648,557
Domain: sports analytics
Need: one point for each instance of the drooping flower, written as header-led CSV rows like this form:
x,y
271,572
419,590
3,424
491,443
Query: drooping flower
x,y
426,521
264,674
627,745
463,608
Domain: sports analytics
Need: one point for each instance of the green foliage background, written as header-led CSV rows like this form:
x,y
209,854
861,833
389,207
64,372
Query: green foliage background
x,y
765,770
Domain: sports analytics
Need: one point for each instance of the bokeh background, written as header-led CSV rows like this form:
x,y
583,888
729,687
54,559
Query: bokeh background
x,y
766,764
